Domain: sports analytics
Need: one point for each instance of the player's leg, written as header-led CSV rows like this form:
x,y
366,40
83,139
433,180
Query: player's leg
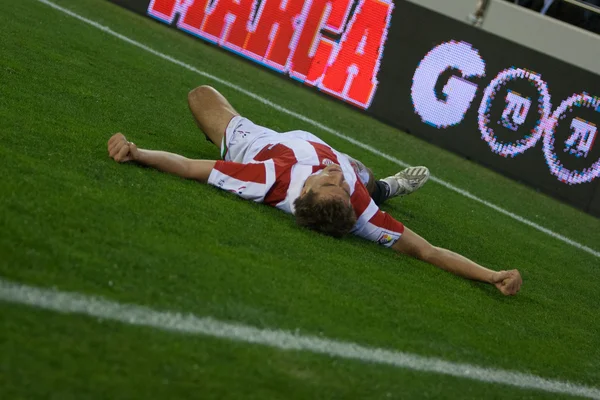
x,y
371,184
212,112
378,190
364,174
404,182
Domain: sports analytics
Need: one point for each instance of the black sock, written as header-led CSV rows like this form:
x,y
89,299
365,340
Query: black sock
x,y
381,192
387,187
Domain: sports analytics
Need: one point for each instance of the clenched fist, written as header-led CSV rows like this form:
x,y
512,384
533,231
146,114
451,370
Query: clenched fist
x,y
120,150
507,282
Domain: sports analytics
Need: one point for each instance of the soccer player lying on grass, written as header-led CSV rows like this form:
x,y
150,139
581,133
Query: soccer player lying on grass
x,y
297,172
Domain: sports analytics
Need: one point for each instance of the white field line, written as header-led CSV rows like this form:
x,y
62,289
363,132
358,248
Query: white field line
x,y
321,127
73,303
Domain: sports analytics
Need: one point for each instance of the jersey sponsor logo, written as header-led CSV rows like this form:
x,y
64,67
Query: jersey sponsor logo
x,y
327,161
386,237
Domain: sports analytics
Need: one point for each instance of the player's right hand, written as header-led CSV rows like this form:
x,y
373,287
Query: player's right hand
x,y
507,282
121,150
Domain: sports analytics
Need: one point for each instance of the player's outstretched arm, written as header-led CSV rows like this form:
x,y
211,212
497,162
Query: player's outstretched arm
x,y
121,150
507,282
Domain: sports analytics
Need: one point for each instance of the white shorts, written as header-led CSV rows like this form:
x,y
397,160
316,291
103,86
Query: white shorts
x,y
240,134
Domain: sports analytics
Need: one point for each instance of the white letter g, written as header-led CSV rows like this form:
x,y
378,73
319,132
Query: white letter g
x,y
459,92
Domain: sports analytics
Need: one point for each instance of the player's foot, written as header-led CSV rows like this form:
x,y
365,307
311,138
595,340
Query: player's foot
x,y
406,181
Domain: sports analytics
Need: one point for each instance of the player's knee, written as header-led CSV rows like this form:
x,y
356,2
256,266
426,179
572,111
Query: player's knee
x,y
200,94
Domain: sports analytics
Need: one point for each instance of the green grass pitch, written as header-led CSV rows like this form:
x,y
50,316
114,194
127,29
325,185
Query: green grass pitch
x,y
73,219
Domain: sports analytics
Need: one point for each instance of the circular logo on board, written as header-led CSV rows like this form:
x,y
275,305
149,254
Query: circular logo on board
x,y
515,112
571,138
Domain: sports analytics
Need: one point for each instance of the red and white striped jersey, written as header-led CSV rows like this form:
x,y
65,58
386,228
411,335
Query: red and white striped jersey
x,y
269,167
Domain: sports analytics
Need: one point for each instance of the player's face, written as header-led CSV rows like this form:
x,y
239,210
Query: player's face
x,y
329,182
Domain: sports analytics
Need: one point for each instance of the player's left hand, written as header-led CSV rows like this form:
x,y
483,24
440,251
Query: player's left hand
x,y
507,282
